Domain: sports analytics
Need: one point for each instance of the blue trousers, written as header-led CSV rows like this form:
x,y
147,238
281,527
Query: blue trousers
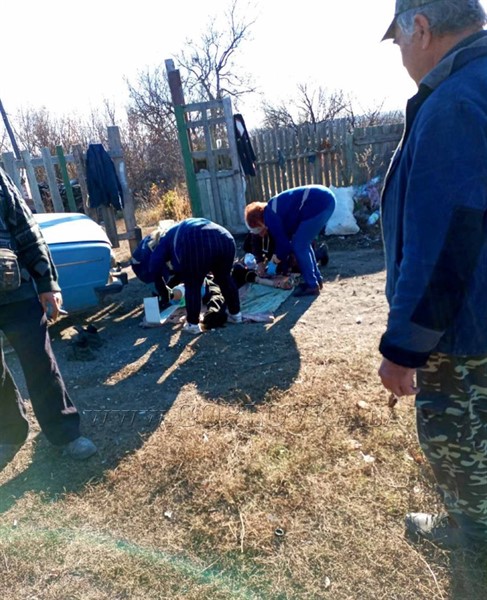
x,y
301,241
24,324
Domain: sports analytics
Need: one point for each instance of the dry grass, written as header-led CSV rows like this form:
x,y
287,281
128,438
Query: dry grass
x,y
161,205
222,502
300,497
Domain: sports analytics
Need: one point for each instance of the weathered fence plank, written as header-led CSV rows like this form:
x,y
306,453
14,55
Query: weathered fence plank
x,y
326,153
34,186
237,181
133,232
57,201
8,160
80,171
66,181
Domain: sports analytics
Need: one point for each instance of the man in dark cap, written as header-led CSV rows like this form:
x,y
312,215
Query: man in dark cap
x,y
434,218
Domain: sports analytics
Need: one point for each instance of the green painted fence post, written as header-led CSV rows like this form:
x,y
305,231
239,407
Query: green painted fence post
x,y
193,190
67,183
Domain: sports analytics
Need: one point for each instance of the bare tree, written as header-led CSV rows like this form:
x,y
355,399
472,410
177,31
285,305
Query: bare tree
x,y
208,71
277,115
153,148
209,66
373,115
310,105
150,101
318,104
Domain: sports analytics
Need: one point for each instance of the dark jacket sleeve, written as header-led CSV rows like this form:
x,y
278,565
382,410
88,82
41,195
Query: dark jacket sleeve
x,y
31,248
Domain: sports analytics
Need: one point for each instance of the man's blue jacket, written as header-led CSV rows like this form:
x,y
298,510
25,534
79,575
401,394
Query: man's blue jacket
x,y
434,215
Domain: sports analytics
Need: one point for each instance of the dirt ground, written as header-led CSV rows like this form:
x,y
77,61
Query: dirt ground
x,y
124,391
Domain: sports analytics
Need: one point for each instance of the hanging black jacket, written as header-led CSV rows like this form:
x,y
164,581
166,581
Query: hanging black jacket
x,y
104,187
244,146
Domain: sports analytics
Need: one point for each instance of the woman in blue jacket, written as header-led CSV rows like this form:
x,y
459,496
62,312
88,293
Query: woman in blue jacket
x,y
294,218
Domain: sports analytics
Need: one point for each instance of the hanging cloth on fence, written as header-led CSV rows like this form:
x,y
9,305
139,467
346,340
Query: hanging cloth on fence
x,y
104,187
244,146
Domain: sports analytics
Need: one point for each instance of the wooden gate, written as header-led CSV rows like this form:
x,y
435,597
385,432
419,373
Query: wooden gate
x,y
216,184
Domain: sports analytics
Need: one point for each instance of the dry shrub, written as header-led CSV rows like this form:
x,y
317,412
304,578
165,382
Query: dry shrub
x,y
161,204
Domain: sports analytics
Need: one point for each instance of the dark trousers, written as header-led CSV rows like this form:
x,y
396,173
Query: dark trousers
x,y
201,252
25,326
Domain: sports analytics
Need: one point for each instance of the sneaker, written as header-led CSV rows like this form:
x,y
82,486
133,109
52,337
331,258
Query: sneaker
x,y
190,328
7,452
80,449
236,318
305,290
437,529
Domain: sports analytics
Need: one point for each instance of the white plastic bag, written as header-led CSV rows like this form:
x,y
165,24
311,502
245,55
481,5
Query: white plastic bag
x,y
342,221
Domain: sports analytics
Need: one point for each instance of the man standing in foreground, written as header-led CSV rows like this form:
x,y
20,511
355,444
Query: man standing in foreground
x,y
434,215
24,301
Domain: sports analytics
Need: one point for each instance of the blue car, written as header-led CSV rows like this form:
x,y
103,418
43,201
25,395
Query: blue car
x,y
83,257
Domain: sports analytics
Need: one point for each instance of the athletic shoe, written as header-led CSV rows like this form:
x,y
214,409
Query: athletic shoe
x,y
236,318
191,328
80,449
304,290
437,529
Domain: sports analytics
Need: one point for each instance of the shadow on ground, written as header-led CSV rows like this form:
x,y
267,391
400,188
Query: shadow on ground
x,y
124,393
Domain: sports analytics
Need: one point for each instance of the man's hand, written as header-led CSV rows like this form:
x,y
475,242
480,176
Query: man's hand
x,y
51,303
399,380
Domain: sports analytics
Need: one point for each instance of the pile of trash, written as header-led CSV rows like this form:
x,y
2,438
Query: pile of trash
x,y
367,202
357,208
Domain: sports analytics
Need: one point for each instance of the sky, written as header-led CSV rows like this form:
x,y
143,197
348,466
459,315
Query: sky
x,y
69,57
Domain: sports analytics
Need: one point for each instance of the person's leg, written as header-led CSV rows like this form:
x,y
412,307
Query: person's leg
x,y
221,267
230,292
303,250
192,294
25,327
452,431
14,427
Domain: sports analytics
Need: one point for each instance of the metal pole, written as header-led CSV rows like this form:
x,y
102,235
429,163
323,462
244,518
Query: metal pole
x,y
13,141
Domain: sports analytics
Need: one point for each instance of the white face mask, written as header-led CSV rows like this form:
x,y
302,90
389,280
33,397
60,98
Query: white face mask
x,y
255,230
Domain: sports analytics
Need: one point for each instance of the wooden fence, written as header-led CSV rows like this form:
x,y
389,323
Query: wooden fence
x,y
328,153
52,170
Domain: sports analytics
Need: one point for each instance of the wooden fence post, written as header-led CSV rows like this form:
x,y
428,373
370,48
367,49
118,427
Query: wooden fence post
x,y
133,233
177,96
67,183
32,179
9,165
57,201
81,172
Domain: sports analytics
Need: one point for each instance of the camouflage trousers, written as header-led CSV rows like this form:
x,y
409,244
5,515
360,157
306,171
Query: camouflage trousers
x,y
452,430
